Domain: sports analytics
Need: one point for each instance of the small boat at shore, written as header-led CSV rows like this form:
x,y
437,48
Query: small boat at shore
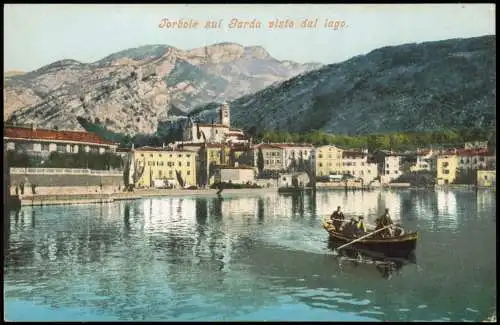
x,y
399,246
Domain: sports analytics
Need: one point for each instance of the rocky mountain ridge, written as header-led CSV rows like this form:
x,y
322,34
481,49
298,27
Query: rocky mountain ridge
x,y
132,91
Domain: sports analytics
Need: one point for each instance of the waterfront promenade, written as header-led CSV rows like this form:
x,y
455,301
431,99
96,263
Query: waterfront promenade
x,y
87,198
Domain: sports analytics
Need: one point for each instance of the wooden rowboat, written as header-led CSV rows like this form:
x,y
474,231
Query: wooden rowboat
x,y
400,246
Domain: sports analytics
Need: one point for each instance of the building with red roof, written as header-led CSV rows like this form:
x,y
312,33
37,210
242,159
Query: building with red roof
x,y
41,142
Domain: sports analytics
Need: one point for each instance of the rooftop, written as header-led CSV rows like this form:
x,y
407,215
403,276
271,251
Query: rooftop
x,y
215,125
16,132
160,149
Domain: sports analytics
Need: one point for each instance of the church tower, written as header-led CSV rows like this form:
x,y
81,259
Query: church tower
x,y
224,115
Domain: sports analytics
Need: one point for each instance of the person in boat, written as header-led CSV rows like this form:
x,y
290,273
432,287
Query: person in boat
x,y
384,221
399,231
360,226
350,229
337,218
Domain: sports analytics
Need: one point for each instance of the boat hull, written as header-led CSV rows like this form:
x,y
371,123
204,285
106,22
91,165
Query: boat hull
x,y
401,246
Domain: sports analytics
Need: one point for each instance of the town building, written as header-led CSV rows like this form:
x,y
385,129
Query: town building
x,y
236,175
476,145
328,160
355,163
424,161
273,156
215,132
447,165
486,178
295,154
473,159
165,166
42,142
300,179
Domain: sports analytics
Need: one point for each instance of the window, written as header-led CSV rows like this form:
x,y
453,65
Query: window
x,y
320,156
278,161
45,147
485,177
481,158
61,147
187,164
188,172
170,173
180,156
160,174
151,155
320,165
180,164
387,166
142,155
446,171
387,172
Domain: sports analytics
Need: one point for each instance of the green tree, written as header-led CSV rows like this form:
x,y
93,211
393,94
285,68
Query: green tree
x,y
260,161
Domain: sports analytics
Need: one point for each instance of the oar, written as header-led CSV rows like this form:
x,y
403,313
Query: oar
x,y
362,237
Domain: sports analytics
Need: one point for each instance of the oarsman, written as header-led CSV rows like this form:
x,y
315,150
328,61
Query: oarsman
x,y
384,221
337,218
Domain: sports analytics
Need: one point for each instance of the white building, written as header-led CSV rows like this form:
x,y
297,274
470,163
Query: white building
x,y
391,168
236,175
41,142
424,161
296,152
475,159
287,180
356,164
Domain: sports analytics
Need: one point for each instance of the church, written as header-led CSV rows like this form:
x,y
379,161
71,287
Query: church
x,y
215,132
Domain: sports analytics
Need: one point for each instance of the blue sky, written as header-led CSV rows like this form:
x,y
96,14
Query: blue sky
x,y
36,35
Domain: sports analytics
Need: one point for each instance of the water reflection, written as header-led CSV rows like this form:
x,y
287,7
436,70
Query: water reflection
x,y
206,258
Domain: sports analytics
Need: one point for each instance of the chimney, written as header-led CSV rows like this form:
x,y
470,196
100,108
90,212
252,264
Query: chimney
x,y
33,126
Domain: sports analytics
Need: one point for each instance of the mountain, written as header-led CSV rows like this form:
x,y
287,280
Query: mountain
x,y
133,90
413,87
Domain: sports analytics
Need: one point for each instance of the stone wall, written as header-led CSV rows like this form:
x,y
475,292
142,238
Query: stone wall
x,y
60,183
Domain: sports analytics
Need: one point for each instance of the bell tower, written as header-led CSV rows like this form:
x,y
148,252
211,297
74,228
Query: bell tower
x,y
225,115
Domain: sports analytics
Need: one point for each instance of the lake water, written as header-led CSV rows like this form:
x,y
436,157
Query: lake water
x,y
257,257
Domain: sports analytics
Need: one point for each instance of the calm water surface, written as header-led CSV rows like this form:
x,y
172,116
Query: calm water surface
x,y
247,258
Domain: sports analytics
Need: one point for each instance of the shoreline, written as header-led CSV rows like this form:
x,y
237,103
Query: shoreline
x,y
93,198
65,199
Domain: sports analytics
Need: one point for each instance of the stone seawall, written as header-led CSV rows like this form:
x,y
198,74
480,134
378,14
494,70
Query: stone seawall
x,y
88,198
60,183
